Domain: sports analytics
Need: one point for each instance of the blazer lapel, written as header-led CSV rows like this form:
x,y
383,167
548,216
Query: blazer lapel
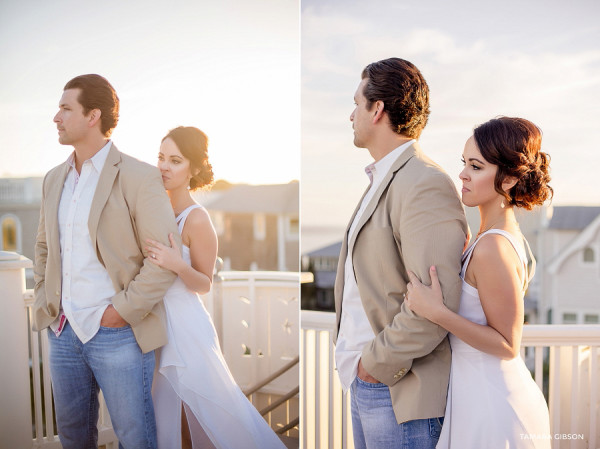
x,y
105,183
51,206
397,165
339,277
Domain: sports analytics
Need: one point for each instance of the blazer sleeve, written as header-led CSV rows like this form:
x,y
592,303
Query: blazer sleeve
x,y
40,306
153,219
430,229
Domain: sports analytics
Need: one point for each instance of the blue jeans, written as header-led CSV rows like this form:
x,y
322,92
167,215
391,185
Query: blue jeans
x,y
113,362
374,424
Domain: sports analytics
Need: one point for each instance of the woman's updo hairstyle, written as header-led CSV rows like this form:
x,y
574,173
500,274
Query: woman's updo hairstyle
x,y
193,145
514,145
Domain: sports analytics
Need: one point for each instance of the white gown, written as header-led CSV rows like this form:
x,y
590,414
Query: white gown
x,y
191,368
492,403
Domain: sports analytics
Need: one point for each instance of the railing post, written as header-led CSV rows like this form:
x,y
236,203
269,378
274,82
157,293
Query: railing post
x,y
15,397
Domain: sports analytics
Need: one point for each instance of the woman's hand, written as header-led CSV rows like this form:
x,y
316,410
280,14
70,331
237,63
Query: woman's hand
x,y
425,301
168,257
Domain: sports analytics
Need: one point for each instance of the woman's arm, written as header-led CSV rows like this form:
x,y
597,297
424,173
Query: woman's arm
x,y
202,239
203,252
495,266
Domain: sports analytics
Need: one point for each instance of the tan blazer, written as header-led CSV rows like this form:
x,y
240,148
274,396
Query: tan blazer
x,y
414,220
130,205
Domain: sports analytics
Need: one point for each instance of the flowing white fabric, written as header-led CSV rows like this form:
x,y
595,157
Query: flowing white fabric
x,y
492,403
191,368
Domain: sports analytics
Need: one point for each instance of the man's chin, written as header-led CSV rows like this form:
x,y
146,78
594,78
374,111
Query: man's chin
x,y
358,143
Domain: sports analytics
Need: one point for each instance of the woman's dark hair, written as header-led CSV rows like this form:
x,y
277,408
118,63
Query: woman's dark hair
x,y
193,145
514,145
404,92
97,93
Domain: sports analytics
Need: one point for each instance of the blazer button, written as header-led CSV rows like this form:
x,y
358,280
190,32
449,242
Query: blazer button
x,y
57,293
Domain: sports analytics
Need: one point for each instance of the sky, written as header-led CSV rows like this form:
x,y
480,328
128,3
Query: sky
x,y
230,68
536,59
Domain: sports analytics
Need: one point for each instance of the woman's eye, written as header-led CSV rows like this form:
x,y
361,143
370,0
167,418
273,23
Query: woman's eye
x,y
475,167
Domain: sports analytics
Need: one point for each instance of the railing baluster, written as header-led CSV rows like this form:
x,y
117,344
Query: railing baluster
x,y
539,366
554,392
593,436
330,405
318,389
304,382
48,401
37,390
574,422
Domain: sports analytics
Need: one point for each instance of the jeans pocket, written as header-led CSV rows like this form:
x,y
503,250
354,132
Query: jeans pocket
x,y
435,426
366,384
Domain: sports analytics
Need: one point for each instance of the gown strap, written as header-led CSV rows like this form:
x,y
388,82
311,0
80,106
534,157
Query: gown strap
x,y
184,214
519,250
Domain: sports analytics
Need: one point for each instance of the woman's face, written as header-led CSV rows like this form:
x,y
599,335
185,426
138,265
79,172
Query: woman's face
x,y
174,168
477,177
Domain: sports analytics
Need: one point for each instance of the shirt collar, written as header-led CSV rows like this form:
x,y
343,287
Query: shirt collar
x,y
97,159
378,169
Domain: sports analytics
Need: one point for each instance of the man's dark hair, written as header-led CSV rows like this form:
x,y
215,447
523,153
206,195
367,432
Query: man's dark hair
x,y
97,93
404,92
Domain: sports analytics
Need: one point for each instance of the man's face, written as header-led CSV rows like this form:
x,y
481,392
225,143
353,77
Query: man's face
x,y
361,117
71,122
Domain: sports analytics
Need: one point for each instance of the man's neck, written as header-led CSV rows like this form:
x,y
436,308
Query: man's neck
x,y
87,150
385,146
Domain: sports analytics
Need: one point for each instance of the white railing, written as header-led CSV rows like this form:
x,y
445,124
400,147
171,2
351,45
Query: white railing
x,y
573,379
256,316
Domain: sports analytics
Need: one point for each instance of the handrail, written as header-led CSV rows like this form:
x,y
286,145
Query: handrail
x,y
272,377
280,401
293,423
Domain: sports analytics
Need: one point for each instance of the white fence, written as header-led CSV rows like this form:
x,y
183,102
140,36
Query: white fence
x,y
255,313
573,378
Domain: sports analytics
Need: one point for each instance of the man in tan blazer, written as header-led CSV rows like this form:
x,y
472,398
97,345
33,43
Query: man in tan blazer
x,y
395,363
94,288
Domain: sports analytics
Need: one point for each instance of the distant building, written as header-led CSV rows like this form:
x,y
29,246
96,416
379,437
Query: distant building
x,y
322,262
569,262
20,200
258,226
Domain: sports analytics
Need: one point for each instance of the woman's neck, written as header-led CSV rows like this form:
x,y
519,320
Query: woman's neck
x,y
180,200
497,217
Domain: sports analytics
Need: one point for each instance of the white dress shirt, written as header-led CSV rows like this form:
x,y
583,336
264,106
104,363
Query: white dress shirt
x,y
86,286
355,329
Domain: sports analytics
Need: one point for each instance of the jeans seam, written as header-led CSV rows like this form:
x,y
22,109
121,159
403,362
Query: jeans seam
x,y
93,397
148,421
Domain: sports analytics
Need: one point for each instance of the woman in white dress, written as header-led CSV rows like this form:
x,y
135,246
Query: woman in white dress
x,y
493,401
191,368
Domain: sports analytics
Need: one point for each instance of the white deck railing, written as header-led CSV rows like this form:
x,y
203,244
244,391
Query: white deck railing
x,y
573,378
256,316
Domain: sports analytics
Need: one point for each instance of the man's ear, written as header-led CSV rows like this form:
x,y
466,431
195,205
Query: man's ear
x,y
93,117
377,111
